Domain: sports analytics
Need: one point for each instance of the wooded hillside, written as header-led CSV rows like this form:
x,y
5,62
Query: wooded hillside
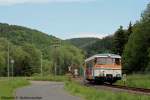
x,y
30,49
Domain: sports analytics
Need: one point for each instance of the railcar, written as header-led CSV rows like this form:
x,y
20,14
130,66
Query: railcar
x,y
103,68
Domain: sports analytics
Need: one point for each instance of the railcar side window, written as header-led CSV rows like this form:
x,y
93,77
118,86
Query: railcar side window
x,y
95,60
89,64
117,61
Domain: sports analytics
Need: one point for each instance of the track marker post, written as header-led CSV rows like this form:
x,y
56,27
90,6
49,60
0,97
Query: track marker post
x,y
124,78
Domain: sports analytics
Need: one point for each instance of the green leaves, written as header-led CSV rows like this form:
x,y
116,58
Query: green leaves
x,y
119,41
135,56
63,57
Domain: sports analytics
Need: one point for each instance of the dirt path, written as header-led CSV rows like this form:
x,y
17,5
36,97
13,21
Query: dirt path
x,y
39,90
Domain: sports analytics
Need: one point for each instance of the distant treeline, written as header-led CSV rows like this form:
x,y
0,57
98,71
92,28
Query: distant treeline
x,y
26,47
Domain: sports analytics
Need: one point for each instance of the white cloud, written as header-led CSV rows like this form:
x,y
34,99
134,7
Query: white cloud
x,y
81,35
12,2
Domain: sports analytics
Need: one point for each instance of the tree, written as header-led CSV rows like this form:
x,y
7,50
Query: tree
x,y
119,41
148,66
128,32
33,59
65,56
2,64
21,60
3,56
135,56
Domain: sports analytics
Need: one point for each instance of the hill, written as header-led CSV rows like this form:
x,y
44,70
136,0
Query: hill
x,y
82,42
104,45
93,46
19,35
31,49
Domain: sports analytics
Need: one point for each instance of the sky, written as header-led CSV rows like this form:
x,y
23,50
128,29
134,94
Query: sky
x,y
72,18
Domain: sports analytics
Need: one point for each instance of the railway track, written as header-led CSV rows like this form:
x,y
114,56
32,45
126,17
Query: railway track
x,y
114,88
130,88
118,88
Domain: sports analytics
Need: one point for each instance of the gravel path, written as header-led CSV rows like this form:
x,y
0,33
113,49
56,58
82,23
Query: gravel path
x,y
39,90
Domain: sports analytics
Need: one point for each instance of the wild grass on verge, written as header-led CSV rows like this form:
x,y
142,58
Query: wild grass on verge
x,y
8,86
49,78
92,94
137,80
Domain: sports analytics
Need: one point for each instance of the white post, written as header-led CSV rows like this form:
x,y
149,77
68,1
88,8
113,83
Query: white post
x,y
12,69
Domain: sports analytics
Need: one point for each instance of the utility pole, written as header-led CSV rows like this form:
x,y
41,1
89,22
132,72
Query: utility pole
x,y
56,43
8,71
41,64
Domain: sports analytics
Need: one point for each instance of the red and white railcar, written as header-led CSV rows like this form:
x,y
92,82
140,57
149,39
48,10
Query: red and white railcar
x,y
103,68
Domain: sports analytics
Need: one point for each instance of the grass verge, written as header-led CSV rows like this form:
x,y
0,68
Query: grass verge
x,y
136,80
92,94
49,78
8,86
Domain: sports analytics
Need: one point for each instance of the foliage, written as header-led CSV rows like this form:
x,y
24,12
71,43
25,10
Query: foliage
x,y
26,47
94,94
119,41
19,35
65,56
92,46
101,46
148,67
129,31
135,56
82,42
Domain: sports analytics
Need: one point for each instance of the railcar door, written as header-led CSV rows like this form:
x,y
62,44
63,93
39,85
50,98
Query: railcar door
x,y
89,70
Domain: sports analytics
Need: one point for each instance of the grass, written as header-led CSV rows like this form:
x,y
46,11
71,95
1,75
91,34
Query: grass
x,y
49,78
89,93
136,80
8,86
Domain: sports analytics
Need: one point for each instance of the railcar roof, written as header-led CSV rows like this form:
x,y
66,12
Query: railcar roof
x,y
103,55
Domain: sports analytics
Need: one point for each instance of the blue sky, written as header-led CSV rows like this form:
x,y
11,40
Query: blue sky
x,y
72,18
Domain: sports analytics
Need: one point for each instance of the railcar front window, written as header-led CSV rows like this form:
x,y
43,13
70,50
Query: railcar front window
x,y
103,61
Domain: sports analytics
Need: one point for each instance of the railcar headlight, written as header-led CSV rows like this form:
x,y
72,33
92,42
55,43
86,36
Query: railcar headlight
x,y
102,73
118,75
